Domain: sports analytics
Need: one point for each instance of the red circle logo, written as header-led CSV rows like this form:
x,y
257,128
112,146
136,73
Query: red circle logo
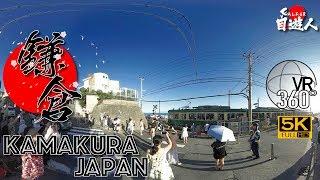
x,y
297,11
25,90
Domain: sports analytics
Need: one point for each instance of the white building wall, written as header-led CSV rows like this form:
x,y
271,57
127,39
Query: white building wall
x,y
91,102
101,81
114,86
86,83
78,109
130,93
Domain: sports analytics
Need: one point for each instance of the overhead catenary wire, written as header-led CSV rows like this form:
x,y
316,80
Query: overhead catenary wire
x,y
191,83
183,61
177,69
239,83
202,79
172,24
191,98
210,72
277,52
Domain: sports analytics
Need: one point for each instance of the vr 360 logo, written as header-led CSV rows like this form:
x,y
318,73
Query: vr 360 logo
x,y
294,127
290,85
300,97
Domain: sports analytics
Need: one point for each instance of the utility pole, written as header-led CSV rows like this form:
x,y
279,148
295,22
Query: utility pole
x,y
141,90
229,98
249,58
159,108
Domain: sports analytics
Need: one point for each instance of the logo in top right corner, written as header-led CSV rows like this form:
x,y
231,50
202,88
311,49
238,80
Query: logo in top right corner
x,y
290,84
293,18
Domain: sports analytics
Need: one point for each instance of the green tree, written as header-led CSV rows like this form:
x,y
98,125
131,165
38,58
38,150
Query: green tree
x,y
102,96
83,92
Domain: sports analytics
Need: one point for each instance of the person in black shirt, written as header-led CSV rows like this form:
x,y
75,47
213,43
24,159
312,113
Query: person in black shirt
x,y
255,140
219,152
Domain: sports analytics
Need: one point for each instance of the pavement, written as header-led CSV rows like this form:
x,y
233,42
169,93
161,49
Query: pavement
x,y
316,160
198,163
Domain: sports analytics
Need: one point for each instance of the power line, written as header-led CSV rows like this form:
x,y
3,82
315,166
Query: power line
x,y
259,75
211,72
188,84
181,63
191,50
199,97
172,24
191,82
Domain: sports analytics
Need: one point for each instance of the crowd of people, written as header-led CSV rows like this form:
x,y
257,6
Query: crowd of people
x,y
31,166
164,153
116,125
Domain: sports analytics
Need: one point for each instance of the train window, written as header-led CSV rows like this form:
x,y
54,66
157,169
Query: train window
x,y
209,116
220,116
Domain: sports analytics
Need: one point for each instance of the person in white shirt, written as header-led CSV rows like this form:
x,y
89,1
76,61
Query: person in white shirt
x,y
52,130
141,127
185,134
206,127
130,126
22,123
102,115
117,125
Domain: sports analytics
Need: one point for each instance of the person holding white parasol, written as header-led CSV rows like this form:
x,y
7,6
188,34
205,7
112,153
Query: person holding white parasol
x,y
222,135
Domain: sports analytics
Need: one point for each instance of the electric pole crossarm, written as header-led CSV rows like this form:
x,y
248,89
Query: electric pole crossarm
x,y
249,58
141,91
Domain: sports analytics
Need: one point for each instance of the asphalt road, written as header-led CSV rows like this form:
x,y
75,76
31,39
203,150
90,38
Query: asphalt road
x,y
316,170
198,162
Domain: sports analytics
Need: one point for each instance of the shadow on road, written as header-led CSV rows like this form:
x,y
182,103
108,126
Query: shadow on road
x,y
211,164
141,143
239,151
293,171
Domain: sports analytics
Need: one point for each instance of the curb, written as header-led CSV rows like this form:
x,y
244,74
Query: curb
x,y
311,169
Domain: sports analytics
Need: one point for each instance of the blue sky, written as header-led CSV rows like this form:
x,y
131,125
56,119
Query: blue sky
x,y
133,42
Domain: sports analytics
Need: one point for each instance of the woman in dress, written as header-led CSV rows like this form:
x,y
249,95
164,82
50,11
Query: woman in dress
x,y
116,125
52,130
130,126
141,127
172,156
32,165
157,158
219,152
185,134
152,131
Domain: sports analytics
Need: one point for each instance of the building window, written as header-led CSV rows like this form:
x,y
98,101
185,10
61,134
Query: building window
x,y
209,116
